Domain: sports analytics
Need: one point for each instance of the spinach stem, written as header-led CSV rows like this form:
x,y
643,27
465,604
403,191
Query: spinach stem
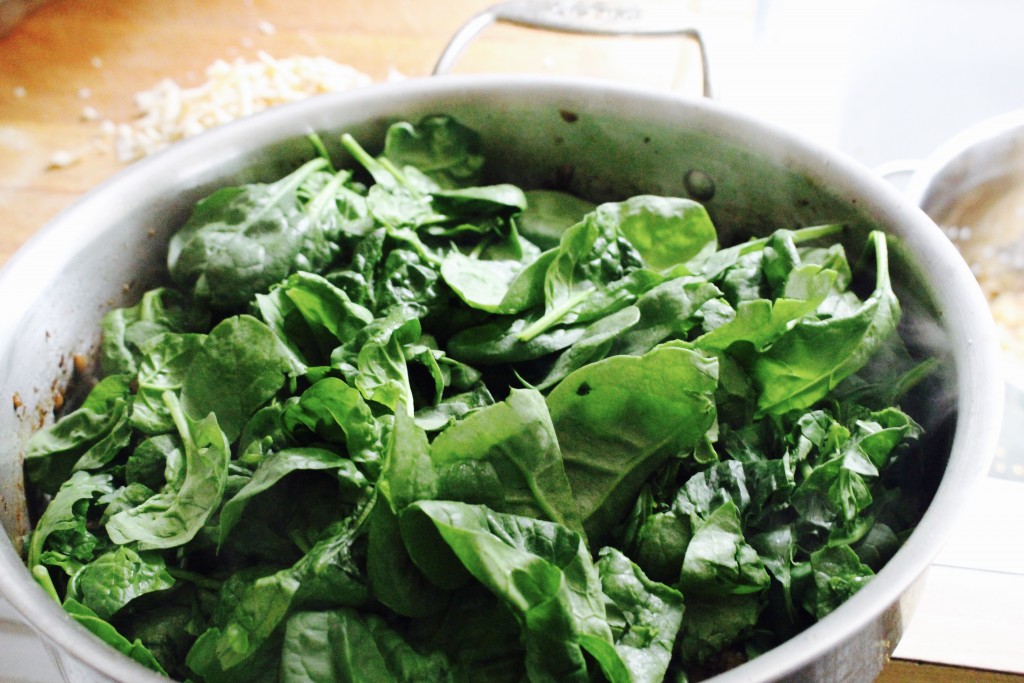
x,y
811,233
324,197
195,578
381,174
552,316
800,235
413,240
397,173
42,577
321,149
717,262
290,183
910,380
479,249
881,260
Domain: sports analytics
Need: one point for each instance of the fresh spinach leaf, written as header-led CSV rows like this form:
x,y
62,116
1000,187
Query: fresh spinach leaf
x,y
542,571
479,202
644,615
337,413
838,574
311,316
408,475
661,543
112,443
375,361
593,345
156,461
549,213
395,581
52,452
666,231
353,486
255,609
174,516
240,367
499,341
713,265
241,240
712,627
108,634
115,578
620,419
236,649
481,284
453,408
67,515
592,256
760,322
166,360
127,330
812,358
439,146
718,560
667,311
324,647
512,444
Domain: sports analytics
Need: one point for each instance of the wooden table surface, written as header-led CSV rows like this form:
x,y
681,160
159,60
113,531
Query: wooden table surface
x,y
69,55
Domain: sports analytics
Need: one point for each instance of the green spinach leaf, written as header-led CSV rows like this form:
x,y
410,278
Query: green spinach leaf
x,y
325,647
311,316
542,571
115,578
52,452
439,146
166,360
240,367
241,240
620,419
108,634
67,515
353,486
337,413
513,445
174,516
815,355
644,615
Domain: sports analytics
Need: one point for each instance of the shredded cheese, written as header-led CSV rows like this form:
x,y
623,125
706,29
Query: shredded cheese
x,y
169,112
63,158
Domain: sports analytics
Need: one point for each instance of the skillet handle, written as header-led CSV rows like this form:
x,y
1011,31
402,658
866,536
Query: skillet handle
x,y
578,16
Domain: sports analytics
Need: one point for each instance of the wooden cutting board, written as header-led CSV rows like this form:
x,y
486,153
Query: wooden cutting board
x,y
69,65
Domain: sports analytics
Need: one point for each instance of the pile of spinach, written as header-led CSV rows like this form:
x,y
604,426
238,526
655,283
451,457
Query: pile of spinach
x,y
391,424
